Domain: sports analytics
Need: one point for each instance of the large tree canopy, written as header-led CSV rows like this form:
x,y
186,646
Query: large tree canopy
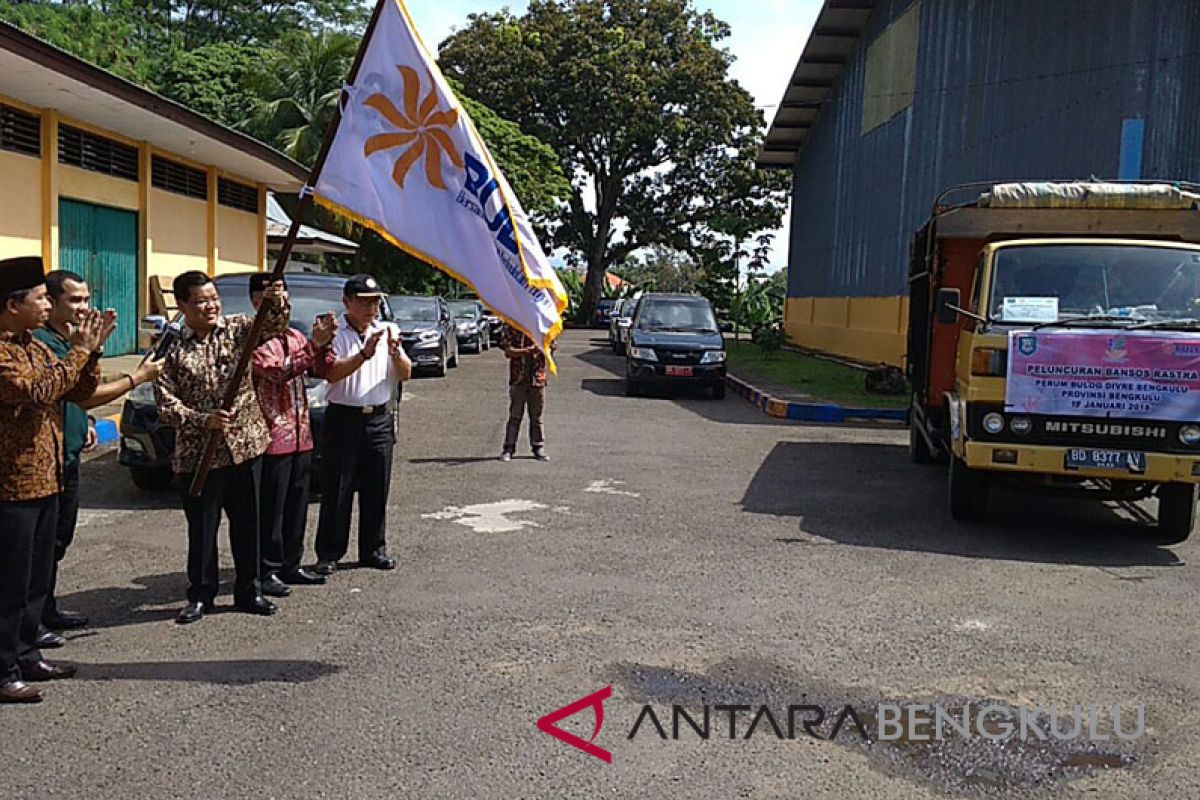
x,y
635,96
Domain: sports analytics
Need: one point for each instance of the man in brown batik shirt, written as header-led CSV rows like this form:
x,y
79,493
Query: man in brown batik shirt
x,y
189,392
33,384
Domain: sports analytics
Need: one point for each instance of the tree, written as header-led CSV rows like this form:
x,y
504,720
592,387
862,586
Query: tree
x,y
299,91
661,269
214,80
635,96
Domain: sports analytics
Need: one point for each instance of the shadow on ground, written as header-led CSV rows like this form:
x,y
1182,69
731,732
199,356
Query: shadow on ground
x,y
225,673
871,495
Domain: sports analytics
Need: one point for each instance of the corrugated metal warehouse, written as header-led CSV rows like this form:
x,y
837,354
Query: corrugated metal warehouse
x,y
894,101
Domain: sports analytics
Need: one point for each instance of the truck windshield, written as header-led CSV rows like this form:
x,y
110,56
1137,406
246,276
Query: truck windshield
x,y
1058,282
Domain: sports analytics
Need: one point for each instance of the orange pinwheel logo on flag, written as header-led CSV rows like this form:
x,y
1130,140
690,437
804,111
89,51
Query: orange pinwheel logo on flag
x,y
421,128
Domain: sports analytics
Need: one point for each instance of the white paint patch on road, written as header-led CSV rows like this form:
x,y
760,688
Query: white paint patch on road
x,y
608,486
971,625
490,517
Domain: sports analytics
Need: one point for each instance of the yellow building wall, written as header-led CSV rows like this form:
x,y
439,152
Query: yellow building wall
x,y
93,187
237,241
177,229
867,329
20,209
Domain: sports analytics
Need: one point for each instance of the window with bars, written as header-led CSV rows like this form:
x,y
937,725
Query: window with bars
x,y
20,132
237,195
179,178
88,151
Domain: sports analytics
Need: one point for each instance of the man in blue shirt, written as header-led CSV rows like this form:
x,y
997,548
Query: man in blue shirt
x,y
70,298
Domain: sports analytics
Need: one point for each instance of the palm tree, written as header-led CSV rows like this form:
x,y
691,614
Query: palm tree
x,y
299,92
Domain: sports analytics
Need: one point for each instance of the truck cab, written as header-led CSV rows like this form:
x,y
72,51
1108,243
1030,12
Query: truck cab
x,y
1054,341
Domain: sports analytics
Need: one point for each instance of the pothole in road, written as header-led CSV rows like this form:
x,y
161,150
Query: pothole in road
x,y
969,746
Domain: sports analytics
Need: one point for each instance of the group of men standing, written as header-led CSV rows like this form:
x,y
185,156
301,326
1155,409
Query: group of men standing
x,y
50,345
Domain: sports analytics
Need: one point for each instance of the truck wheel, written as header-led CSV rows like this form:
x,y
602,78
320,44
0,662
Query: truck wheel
x,y
918,448
151,479
968,490
1176,512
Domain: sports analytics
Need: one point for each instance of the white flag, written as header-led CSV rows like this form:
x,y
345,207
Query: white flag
x,y
407,162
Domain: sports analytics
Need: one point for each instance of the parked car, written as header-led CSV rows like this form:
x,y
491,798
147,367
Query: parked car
x,y
674,341
495,324
619,322
430,338
603,312
146,445
471,324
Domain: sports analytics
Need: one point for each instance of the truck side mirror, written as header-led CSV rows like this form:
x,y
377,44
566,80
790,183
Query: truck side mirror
x,y
948,303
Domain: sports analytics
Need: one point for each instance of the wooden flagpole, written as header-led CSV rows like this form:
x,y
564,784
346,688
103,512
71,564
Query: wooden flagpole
x,y
213,439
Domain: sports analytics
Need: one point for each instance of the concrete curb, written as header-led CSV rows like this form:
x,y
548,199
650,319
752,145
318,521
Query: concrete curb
x,y
811,412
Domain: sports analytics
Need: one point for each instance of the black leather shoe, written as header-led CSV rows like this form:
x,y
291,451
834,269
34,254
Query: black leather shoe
x,y
45,671
19,692
379,562
49,639
64,621
325,567
192,612
258,606
273,587
302,577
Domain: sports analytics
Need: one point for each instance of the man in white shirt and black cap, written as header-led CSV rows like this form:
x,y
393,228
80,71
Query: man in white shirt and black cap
x,y
364,363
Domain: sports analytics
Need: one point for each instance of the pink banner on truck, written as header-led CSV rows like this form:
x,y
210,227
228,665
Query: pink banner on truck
x,y
1105,374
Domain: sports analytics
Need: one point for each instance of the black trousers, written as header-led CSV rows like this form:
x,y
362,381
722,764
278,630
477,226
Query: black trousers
x,y
68,517
356,457
284,511
26,559
233,490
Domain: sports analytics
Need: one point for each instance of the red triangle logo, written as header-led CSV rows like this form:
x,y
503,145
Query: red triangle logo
x,y
594,701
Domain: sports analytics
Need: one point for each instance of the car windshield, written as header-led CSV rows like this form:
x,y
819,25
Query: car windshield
x,y
308,301
415,309
1056,283
464,309
683,315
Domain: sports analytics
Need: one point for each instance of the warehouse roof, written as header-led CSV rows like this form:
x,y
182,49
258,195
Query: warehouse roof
x,y
839,25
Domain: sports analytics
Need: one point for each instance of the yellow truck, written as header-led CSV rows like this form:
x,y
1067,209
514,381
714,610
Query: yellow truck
x,y
1054,340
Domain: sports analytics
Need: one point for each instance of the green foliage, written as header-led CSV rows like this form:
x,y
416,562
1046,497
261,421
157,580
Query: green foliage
x,y
661,269
573,284
635,96
214,80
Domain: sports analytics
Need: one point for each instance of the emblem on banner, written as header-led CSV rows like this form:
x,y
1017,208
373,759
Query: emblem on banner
x,y
422,129
1026,345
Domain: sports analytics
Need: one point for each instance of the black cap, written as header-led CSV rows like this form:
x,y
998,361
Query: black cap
x,y
19,274
259,281
363,286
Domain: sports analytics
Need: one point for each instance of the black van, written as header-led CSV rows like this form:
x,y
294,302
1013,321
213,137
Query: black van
x,y
674,340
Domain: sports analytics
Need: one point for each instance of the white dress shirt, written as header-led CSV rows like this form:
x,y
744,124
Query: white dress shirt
x,y
372,384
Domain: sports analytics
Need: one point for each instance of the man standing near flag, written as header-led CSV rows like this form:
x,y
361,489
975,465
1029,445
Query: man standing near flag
x,y
363,364
526,390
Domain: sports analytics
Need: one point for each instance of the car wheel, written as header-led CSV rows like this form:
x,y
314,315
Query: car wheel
x,y
718,392
968,490
151,479
632,389
1176,512
440,369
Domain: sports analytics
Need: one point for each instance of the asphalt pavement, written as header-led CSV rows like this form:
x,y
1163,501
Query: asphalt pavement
x,y
684,552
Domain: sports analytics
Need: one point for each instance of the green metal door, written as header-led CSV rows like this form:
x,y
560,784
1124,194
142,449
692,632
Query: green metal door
x,y
100,243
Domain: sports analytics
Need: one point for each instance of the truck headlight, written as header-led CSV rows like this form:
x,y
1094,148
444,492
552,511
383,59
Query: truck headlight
x,y
642,354
713,357
1190,435
993,423
1020,425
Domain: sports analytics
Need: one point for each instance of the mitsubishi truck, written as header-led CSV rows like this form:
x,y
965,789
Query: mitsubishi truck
x,y
1054,341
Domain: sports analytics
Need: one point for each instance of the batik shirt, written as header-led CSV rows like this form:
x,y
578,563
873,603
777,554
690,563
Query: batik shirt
x,y
192,385
279,369
528,370
33,384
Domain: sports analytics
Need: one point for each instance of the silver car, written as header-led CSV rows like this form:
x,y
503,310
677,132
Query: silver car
x,y
619,322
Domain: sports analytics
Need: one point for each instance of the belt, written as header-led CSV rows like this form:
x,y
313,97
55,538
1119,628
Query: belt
x,y
366,411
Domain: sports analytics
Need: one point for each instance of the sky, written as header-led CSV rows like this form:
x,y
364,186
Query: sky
x,y
767,39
